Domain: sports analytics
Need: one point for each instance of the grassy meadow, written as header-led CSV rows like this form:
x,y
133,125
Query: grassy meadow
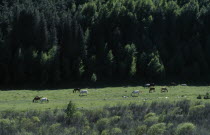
x,y
21,100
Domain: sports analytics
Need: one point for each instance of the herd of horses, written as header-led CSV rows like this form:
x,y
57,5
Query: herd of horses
x,y
151,87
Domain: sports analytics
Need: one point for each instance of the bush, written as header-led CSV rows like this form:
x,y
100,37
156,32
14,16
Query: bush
x,y
199,97
105,132
184,105
185,129
141,130
7,127
28,124
149,115
116,131
55,128
60,116
157,129
70,131
114,119
77,117
151,119
24,132
71,109
35,119
102,124
174,114
44,129
207,96
196,112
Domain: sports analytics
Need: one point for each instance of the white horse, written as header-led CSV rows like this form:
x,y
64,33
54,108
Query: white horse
x,y
83,92
135,92
147,85
44,100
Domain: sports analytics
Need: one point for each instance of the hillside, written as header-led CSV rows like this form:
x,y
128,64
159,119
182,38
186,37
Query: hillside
x,y
53,41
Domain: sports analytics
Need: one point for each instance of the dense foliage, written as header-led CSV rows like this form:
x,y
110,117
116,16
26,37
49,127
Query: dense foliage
x,y
158,118
52,41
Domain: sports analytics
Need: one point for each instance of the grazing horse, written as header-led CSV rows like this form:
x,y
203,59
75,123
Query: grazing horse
x,y
152,84
44,100
76,89
147,85
83,92
164,89
36,99
135,92
173,84
151,89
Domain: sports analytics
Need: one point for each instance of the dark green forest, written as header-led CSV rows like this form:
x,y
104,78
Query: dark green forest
x,y
54,41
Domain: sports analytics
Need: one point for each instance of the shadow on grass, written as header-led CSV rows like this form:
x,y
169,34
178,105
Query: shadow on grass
x,y
88,85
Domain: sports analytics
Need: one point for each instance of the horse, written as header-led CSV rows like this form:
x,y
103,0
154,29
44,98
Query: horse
x,y
83,92
152,84
44,100
37,98
76,89
173,84
151,89
164,89
147,85
135,92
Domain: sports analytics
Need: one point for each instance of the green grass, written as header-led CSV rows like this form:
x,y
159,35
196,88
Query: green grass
x,y
21,100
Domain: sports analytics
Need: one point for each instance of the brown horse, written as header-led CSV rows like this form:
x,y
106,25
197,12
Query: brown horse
x,y
76,89
164,89
151,89
152,84
37,98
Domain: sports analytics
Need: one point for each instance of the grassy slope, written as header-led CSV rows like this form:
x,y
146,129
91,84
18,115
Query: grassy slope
x,y
22,99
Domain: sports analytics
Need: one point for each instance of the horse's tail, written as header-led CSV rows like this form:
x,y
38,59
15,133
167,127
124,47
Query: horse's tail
x,y
33,100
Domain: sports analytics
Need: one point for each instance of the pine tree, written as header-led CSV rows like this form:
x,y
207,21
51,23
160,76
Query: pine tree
x,y
155,68
43,35
109,63
93,78
132,72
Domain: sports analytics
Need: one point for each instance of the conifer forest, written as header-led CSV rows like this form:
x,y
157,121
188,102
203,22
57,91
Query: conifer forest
x,y
53,41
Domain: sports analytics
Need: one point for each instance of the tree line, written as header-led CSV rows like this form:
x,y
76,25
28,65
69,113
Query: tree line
x,y
53,41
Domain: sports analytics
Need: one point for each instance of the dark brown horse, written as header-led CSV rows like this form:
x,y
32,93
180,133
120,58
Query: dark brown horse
x,y
152,84
151,89
164,89
37,98
76,89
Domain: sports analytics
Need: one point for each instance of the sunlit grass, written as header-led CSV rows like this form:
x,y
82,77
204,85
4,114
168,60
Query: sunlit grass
x,y
21,100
